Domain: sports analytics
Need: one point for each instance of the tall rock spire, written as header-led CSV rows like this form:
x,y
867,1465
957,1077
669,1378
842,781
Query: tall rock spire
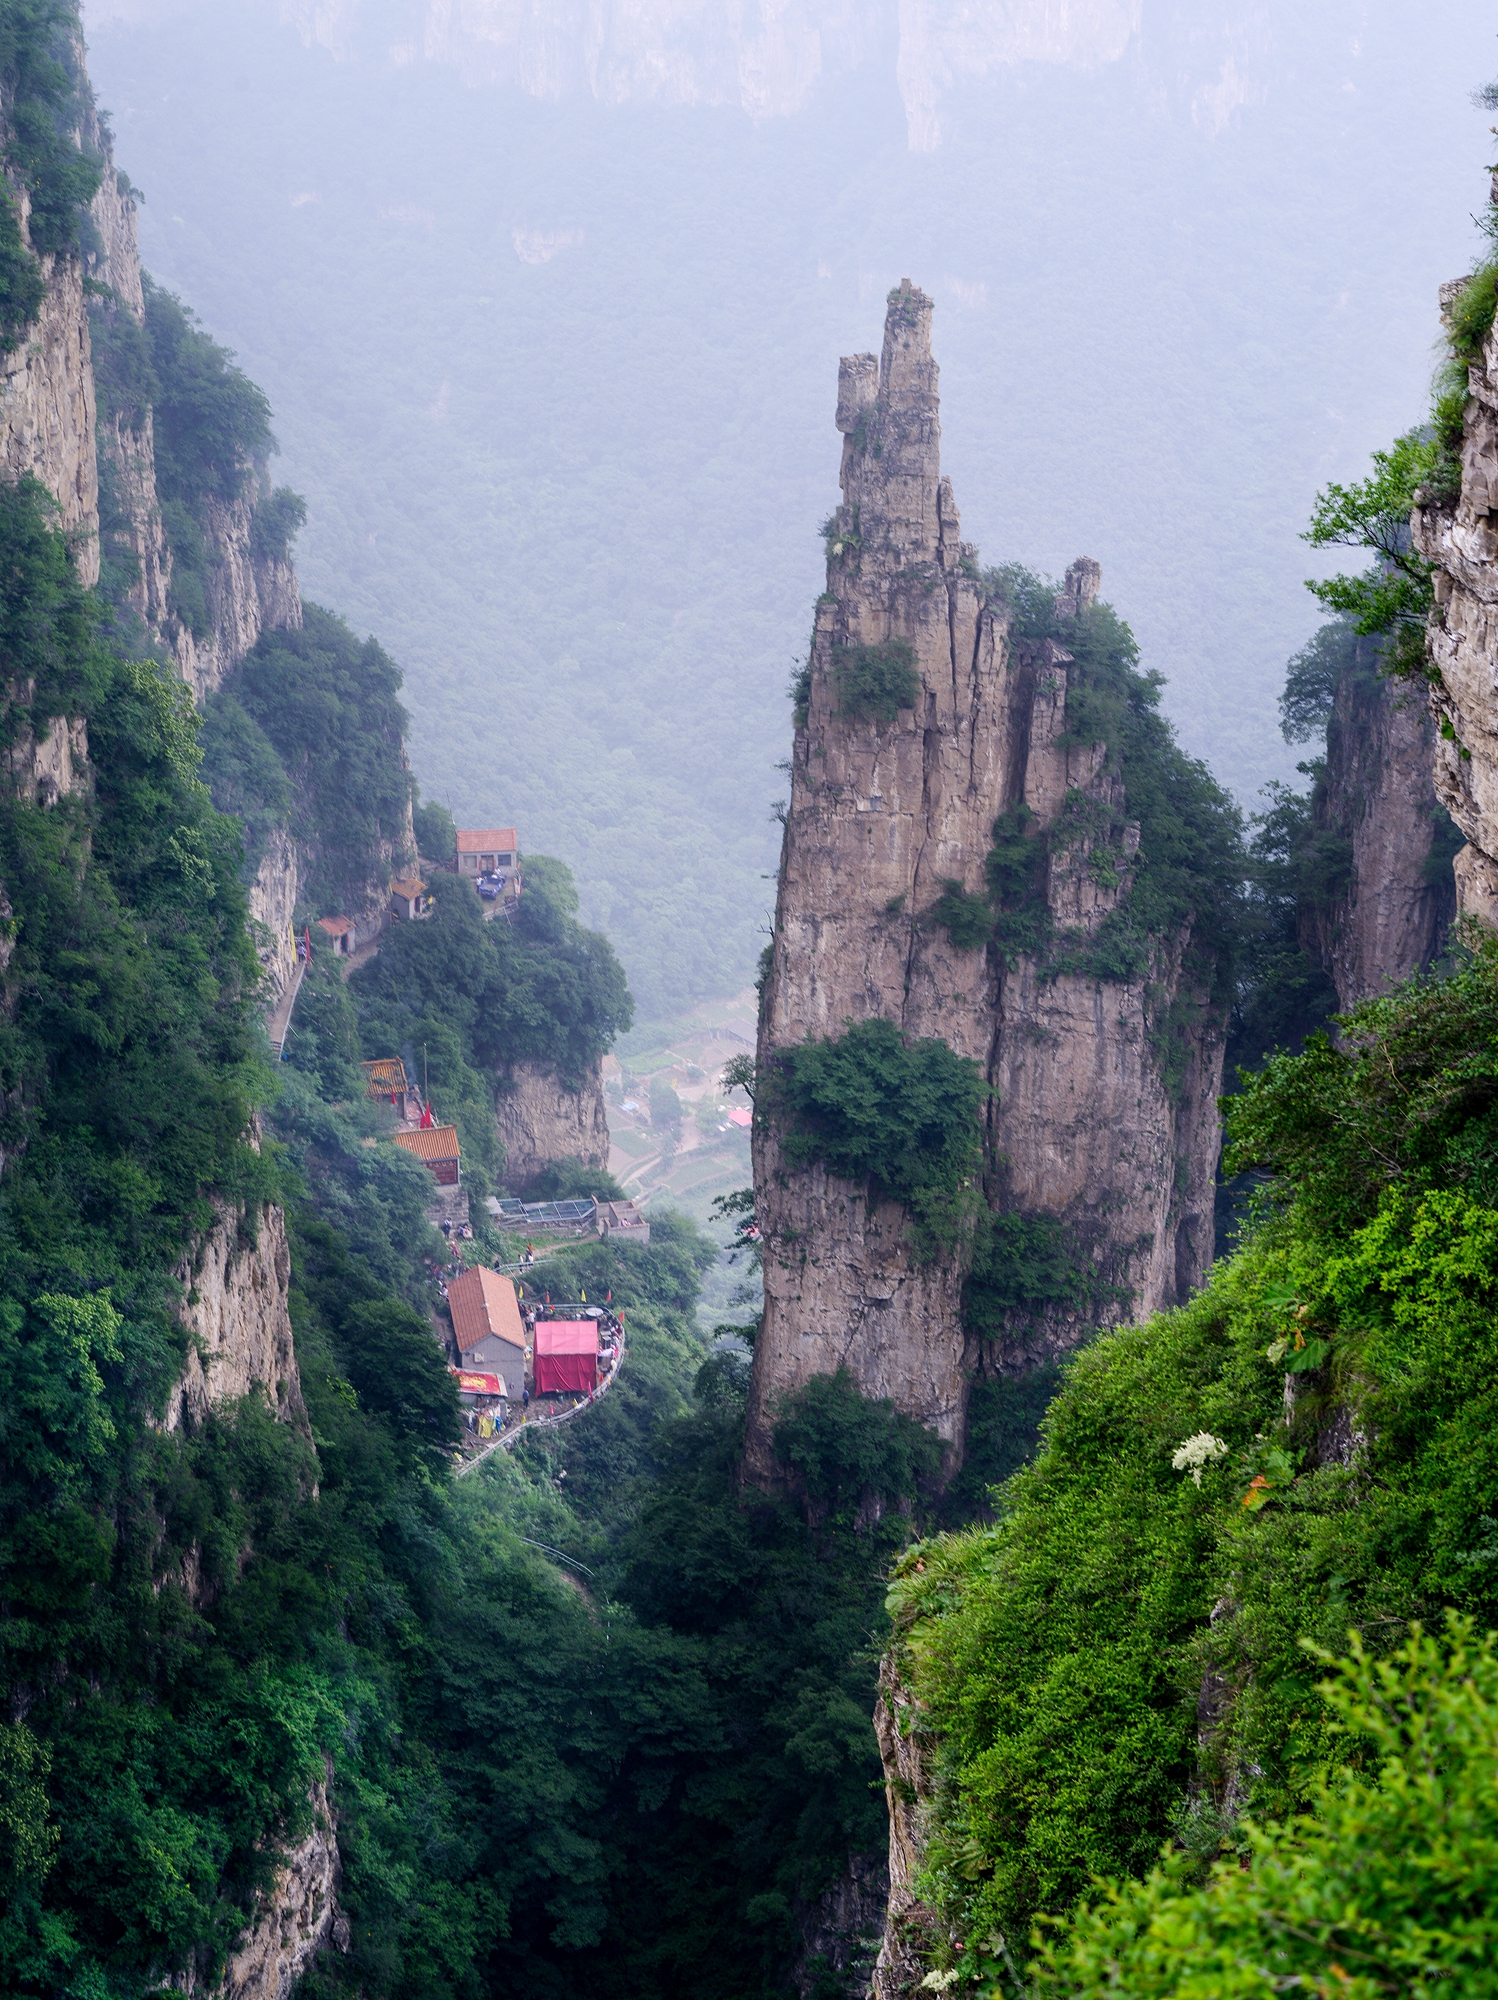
x,y
886,812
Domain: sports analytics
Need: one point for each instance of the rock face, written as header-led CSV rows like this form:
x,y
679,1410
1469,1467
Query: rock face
x,y
273,901
1461,539
1086,1125
295,1919
47,408
542,1119
238,1281
248,593
1378,796
909,1925
43,769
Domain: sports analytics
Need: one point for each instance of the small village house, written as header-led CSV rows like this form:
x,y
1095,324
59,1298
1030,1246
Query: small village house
x,y
488,851
487,1327
339,932
409,899
436,1148
386,1078
622,1222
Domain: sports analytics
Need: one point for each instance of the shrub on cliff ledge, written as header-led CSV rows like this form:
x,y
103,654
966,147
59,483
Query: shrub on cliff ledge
x,y
873,1107
876,682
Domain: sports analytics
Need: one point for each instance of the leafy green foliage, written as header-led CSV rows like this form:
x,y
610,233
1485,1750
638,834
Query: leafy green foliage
x,y
1282,993
572,1180
1060,1654
541,990
275,525
876,682
1024,1263
212,423
22,288
842,1448
328,705
1387,1884
1189,862
1408,1102
1311,681
436,831
968,920
42,88
1394,597
872,1107
243,772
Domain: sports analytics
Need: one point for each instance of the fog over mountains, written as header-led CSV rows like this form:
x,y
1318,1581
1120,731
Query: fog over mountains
x,y
549,300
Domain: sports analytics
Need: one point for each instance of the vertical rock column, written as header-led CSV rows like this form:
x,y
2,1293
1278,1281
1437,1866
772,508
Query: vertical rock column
x,y
1104,1107
881,814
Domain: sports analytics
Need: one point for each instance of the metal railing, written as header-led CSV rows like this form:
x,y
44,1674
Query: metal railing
x,y
507,1439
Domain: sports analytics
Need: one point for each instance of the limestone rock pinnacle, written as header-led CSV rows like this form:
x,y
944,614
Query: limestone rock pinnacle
x,y
885,815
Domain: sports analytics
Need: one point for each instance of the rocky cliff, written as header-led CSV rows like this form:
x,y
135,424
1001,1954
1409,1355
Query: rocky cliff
x,y
1377,802
248,591
1459,536
237,1283
47,406
1086,1125
542,1119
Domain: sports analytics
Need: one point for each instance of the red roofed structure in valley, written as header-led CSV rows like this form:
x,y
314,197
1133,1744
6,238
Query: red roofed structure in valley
x,y
488,850
487,1326
566,1355
436,1146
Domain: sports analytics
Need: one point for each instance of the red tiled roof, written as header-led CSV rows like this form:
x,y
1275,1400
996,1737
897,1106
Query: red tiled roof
x,y
438,1142
335,926
407,885
384,1075
483,1303
491,840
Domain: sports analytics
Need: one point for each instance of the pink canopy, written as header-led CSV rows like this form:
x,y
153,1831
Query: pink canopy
x,y
566,1355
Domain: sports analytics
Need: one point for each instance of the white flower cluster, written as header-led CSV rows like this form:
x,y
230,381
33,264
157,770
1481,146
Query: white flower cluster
x,y
1198,1451
938,1982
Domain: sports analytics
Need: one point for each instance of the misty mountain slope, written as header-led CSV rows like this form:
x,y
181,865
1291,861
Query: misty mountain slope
x,y
555,373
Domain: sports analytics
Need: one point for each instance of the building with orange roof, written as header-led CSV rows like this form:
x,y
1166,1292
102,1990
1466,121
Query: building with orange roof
x,y
339,932
436,1148
491,850
487,1326
385,1077
409,899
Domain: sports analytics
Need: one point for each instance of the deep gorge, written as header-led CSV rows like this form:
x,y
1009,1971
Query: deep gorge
x,y
1014,1543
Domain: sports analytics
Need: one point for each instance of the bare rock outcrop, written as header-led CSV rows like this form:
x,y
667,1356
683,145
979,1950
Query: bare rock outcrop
x,y
273,901
1379,798
47,408
543,1119
1460,538
42,768
1089,1124
238,1280
248,590
909,1924
296,1917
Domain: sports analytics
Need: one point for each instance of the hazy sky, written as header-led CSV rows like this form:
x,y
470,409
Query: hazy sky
x,y
549,301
